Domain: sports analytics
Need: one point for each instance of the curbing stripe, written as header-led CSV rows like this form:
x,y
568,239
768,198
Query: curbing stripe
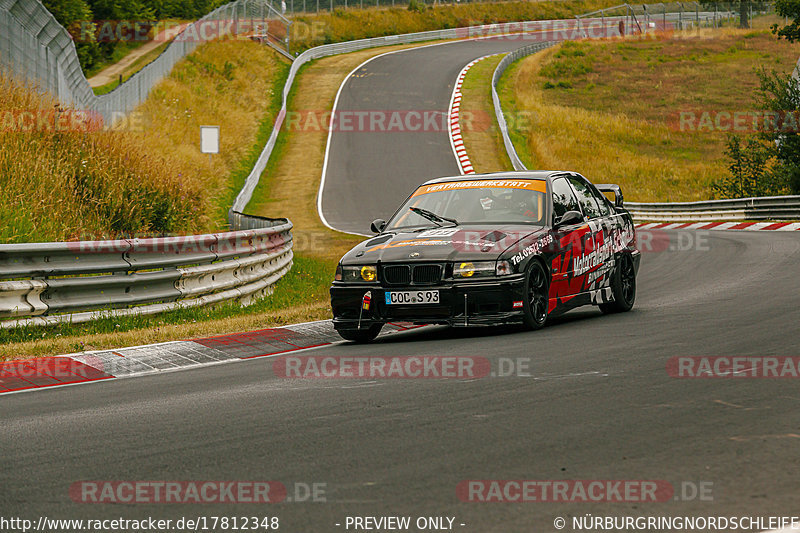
x,y
456,141
723,226
46,372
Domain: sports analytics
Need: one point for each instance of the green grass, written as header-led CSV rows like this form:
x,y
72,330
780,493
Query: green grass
x,y
610,109
346,25
239,175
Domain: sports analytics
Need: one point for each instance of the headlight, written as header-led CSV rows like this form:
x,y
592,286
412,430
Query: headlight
x,y
368,273
477,269
503,268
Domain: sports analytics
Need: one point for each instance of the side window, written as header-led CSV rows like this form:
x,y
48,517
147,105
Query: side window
x,y
586,198
563,198
605,209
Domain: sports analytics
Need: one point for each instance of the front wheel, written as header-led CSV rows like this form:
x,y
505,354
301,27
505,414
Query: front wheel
x,y
537,288
360,335
623,287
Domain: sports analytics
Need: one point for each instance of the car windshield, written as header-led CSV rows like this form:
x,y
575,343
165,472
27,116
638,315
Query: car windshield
x,y
474,202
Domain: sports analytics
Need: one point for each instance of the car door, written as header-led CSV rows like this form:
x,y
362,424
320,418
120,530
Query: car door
x,y
592,265
607,242
570,242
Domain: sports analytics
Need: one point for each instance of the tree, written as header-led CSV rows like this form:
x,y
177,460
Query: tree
x,y
789,9
68,13
749,174
122,10
768,163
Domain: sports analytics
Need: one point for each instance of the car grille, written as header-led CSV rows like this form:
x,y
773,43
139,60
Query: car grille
x,y
404,274
397,275
427,273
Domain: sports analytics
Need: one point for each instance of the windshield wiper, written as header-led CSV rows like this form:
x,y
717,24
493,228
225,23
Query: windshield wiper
x,y
433,217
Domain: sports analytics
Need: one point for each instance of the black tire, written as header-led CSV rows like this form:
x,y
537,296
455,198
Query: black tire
x,y
537,289
623,287
360,335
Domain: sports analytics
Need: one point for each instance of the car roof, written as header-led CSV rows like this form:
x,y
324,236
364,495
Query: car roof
x,y
524,174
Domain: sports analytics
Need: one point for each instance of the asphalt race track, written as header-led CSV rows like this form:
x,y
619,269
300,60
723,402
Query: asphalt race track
x,y
368,173
598,404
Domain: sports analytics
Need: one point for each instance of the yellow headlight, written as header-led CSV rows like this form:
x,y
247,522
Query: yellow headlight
x,y
368,273
466,270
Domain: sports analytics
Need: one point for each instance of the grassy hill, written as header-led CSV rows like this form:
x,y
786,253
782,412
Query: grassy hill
x,y
612,109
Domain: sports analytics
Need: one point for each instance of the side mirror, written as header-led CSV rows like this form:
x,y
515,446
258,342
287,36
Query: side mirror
x,y
377,225
612,188
568,219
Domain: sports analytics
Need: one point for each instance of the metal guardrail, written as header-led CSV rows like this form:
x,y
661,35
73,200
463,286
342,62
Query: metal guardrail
x,y
764,208
504,63
37,49
85,280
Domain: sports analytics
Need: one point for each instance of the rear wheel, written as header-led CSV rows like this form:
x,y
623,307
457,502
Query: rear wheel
x,y
623,287
360,335
537,288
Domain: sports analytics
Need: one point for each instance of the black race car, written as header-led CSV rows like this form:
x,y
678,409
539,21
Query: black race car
x,y
490,249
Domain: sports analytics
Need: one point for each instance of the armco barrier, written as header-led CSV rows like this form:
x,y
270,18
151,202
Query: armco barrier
x,y
765,208
85,280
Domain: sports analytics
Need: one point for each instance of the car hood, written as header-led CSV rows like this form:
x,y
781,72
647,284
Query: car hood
x,y
470,243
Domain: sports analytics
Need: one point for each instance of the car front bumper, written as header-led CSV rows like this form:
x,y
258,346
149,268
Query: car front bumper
x,y
471,303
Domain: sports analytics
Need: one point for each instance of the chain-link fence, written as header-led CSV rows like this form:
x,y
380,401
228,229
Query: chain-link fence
x,y
638,18
36,49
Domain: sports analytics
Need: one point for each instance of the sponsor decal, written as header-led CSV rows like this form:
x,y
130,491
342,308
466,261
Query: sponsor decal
x,y
589,261
439,232
530,185
401,244
533,249
366,300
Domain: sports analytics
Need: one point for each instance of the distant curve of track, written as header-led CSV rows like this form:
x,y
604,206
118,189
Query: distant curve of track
x,y
368,173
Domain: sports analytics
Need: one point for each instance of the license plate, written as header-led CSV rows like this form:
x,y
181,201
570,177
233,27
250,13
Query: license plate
x,y
412,297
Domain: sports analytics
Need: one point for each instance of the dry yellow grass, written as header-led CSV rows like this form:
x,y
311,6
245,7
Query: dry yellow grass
x,y
147,176
607,109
